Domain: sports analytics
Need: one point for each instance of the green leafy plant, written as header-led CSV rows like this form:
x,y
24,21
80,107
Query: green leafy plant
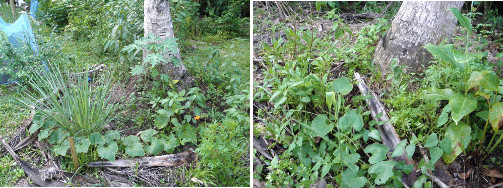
x,y
479,92
65,112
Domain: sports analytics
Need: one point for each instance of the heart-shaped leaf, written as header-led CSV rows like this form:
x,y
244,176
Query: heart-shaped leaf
x,y
156,147
108,152
57,136
350,177
319,125
111,135
383,170
135,151
147,135
378,152
171,144
341,85
62,149
97,139
82,144
44,133
351,120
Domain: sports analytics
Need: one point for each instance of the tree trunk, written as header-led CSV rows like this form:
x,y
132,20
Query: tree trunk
x,y
157,21
416,24
13,8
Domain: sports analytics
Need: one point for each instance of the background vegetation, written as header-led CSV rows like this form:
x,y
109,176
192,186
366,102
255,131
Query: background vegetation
x,y
308,108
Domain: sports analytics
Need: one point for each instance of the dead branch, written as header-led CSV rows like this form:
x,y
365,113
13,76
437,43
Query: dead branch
x,y
388,134
31,171
171,160
429,173
94,69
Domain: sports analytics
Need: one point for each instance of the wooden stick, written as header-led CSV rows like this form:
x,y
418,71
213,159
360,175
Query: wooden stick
x,y
388,134
171,160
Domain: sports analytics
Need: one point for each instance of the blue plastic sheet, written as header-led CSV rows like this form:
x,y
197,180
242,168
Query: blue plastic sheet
x,y
18,33
34,8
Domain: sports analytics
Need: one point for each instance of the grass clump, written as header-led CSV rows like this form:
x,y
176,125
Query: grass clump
x,y
80,108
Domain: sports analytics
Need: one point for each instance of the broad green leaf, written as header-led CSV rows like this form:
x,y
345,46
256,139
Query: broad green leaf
x,y
44,133
82,144
350,159
374,133
435,154
171,144
485,79
383,170
350,177
305,99
463,20
341,85
444,115
111,135
34,127
495,115
460,138
156,146
351,120
419,182
136,150
320,127
57,136
49,123
431,141
161,121
446,145
108,152
444,53
462,106
399,149
147,135
62,149
378,152
138,69
131,140
437,94
325,169
410,149
186,134
462,57
330,99
97,138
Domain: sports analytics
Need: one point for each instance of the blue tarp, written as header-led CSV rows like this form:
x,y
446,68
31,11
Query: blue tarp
x,y
18,34
34,8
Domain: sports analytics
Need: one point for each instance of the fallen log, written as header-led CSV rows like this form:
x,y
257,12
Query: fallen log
x,y
171,160
31,171
388,134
